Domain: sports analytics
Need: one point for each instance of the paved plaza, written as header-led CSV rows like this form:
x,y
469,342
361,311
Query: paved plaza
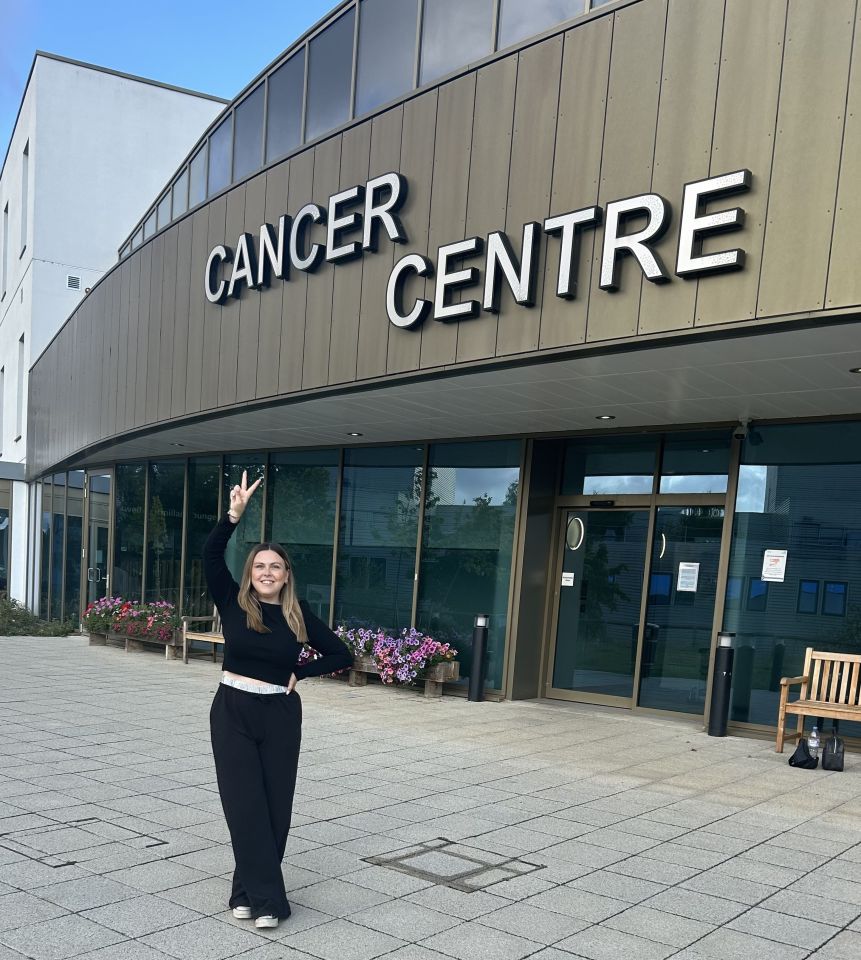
x,y
423,830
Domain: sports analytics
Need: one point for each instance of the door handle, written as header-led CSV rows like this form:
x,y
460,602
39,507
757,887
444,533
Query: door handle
x,y
90,574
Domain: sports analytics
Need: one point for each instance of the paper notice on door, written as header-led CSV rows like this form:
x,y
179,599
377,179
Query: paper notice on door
x,y
567,579
688,578
774,566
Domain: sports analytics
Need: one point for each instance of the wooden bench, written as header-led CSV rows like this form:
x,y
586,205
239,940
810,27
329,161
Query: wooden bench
x,y
213,635
830,687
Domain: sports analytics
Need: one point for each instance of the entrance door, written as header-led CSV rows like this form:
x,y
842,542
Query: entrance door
x,y
599,592
98,542
680,609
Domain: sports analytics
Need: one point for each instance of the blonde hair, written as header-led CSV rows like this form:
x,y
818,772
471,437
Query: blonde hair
x,y
289,604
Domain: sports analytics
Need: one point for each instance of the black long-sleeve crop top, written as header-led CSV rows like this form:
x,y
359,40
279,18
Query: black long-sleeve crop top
x,y
270,657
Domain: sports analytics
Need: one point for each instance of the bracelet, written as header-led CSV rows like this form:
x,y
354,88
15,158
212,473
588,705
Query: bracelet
x,y
232,516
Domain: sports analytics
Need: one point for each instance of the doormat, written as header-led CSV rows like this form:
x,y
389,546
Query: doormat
x,y
455,864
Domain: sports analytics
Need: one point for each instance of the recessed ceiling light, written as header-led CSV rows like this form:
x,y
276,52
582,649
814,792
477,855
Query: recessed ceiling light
x,y
174,444
605,416
353,433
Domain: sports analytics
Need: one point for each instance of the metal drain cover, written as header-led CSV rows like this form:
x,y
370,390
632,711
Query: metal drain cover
x,y
454,864
55,845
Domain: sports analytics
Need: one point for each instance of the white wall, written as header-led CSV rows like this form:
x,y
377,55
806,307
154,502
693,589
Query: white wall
x,y
101,147
109,145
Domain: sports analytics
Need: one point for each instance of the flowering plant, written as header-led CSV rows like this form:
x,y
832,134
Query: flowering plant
x,y
405,658
360,642
401,659
157,619
99,615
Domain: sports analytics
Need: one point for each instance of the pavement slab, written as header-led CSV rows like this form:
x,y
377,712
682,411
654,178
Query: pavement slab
x,y
113,844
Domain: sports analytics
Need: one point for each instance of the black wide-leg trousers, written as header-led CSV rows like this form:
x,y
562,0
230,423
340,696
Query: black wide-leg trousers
x,y
255,742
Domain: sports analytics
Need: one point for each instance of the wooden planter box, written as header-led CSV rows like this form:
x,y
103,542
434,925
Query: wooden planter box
x,y
438,674
98,639
172,647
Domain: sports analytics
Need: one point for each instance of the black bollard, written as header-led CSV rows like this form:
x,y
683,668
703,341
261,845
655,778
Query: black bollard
x,y
479,659
721,686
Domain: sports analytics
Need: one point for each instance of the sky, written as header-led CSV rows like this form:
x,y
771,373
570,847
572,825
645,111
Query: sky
x,y
214,47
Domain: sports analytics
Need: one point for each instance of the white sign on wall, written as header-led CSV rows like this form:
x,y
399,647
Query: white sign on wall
x,y
688,578
774,566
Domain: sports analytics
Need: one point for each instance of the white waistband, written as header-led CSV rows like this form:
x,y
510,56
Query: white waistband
x,y
253,687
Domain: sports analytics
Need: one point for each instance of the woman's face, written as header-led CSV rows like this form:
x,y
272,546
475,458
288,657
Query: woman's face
x,y
268,576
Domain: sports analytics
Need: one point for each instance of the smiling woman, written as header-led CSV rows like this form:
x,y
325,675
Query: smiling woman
x,y
256,716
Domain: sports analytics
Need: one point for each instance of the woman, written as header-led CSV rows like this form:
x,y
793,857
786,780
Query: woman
x,y
256,716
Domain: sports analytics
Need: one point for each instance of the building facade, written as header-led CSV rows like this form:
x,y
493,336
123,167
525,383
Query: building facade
x,y
551,320
67,197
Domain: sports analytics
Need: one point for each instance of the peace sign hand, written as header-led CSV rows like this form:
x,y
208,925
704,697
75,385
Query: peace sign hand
x,y
241,494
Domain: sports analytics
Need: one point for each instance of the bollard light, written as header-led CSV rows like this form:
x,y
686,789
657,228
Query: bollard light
x,y
479,664
721,684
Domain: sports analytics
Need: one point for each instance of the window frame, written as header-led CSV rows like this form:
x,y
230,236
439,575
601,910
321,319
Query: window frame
x,y
845,596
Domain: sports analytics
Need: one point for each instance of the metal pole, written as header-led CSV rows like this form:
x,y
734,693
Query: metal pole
x,y
479,659
721,685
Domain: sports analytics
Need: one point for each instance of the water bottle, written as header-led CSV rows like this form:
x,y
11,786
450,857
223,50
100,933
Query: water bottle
x,y
813,742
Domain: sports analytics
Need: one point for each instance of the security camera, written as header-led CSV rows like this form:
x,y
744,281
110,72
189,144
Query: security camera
x,y
741,431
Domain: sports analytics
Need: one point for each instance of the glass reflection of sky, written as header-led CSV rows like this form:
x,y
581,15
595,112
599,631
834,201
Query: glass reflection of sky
x,y
751,489
472,482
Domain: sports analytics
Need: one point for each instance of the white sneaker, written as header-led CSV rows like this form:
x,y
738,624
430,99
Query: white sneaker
x,y
266,922
242,913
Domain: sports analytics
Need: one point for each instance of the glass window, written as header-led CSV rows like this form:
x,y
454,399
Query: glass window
x,y
5,511
808,596
798,491
734,587
518,20
679,616
204,475
330,71
129,530
660,588
618,466
137,239
248,142
74,543
470,507
219,156
58,544
45,572
377,535
197,178
149,226
163,211
180,194
300,515
386,51
454,34
164,530
834,599
249,530
757,595
126,250
284,108
695,463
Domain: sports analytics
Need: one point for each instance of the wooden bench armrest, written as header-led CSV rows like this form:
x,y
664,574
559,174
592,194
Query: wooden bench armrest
x,y
210,618
789,681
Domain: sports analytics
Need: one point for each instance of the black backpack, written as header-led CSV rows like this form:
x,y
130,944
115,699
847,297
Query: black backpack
x,y
802,758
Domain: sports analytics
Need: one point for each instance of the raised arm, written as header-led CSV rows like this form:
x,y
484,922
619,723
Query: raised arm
x,y
219,579
221,584
335,655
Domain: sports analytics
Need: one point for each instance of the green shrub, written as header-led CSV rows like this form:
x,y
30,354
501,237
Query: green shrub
x,y
17,621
